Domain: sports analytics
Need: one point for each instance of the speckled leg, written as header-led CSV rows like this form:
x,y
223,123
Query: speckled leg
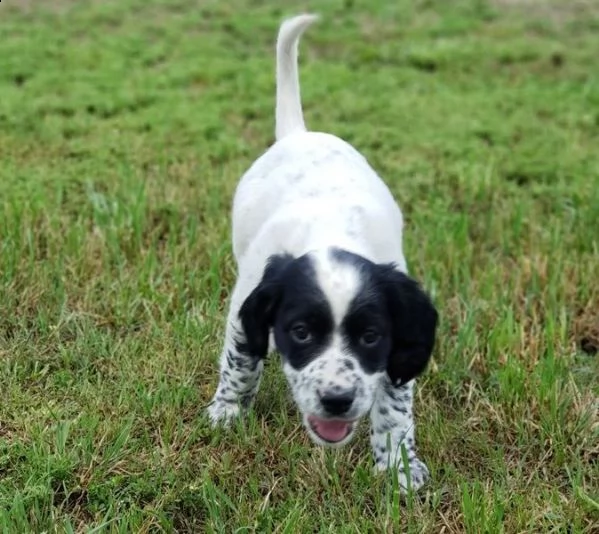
x,y
392,426
240,374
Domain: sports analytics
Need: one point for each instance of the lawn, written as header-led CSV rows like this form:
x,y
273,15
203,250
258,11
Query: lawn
x,y
124,127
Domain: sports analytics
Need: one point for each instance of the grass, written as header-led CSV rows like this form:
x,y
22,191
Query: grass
x,y
124,127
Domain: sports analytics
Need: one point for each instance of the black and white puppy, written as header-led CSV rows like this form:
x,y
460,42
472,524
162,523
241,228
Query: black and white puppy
x,y
317,237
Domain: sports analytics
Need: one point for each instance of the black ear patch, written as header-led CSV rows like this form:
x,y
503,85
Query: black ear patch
x,y
257,313
414,323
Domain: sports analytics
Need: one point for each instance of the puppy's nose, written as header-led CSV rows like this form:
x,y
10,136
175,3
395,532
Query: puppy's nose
x,y
338,402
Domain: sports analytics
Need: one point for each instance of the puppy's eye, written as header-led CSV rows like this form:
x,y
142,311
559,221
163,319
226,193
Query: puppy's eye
x,y
300,333
370,338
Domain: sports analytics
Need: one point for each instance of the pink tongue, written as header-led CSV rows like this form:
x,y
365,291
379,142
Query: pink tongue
x,y
330,430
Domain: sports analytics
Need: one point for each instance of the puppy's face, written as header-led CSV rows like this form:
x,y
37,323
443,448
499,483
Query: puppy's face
x,y
340,323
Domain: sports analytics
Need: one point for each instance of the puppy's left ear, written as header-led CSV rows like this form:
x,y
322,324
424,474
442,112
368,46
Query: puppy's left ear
x,y
257,313
414,323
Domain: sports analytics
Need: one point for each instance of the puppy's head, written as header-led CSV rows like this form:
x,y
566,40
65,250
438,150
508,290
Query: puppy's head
x,y
340,323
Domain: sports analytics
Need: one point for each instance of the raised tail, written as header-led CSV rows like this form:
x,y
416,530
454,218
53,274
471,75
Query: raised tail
x,y
289,114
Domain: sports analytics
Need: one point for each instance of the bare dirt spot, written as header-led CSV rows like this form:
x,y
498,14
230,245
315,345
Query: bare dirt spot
x,y
586,329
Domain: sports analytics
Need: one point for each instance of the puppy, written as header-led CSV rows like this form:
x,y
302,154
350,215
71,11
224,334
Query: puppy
x,y
317,238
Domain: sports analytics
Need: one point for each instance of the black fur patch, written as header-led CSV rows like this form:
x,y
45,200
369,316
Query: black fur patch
x,y
388,303
395,306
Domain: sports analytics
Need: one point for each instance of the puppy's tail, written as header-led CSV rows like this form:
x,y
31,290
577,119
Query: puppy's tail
x,y
289,114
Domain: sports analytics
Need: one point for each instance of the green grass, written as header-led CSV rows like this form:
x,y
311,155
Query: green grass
x,y
124,127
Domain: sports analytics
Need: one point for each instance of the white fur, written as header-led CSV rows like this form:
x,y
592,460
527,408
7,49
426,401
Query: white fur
x,y
308,192
289,116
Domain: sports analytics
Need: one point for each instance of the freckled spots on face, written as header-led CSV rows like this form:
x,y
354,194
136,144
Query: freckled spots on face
x,y
320,290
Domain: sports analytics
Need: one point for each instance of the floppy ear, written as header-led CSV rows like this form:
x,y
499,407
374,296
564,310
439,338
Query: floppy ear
x,y
257,313
414,322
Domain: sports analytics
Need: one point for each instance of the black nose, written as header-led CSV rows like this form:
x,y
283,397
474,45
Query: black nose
x,y
338,402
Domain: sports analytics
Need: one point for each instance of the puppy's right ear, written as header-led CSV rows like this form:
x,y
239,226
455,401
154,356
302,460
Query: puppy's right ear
x,y
257,313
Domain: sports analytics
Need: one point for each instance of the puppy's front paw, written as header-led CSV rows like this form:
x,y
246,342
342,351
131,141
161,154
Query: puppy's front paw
x,y
222,413
414,475
418,474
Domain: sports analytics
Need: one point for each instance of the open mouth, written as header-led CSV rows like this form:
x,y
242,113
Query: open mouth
x,y
330,430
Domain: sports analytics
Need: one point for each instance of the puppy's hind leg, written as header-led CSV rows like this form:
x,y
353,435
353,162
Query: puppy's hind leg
x,y
240,374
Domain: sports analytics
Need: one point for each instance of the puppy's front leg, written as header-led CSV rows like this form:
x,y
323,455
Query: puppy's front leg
x,y
393,429
240,374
